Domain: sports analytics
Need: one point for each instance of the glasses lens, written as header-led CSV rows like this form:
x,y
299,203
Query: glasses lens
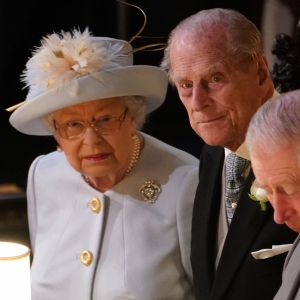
x,y
105,125
71,129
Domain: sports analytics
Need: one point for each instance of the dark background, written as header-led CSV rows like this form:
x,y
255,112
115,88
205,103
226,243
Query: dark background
x,y
23,25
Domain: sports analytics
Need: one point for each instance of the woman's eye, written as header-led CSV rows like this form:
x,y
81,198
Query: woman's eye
x,y
73,124
103,120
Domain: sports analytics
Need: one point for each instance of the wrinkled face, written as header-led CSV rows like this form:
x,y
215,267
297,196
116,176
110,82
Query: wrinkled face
x,y
278,172
92,153
219,95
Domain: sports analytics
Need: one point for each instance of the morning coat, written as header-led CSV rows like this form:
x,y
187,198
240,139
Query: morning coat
x,y
239,275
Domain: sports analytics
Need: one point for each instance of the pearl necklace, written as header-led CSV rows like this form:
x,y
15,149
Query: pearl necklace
x,y
133,161
135,154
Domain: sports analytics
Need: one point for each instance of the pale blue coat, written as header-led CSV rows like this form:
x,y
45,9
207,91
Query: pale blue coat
x,y
140,250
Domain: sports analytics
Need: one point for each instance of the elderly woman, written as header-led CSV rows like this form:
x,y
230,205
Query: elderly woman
x,y
110,211
273,141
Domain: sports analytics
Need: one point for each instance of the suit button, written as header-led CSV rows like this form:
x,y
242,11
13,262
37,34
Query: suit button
x,y
86,257
95,205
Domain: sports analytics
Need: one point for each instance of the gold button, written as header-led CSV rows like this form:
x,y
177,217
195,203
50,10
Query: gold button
x,y
86,257
95,205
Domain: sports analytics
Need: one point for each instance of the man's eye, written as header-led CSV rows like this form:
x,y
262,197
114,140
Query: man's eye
x,y
186,85
290,190
216,78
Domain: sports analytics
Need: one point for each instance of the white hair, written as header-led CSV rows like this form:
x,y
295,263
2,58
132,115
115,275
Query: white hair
x,y
137,109
276,123
242,36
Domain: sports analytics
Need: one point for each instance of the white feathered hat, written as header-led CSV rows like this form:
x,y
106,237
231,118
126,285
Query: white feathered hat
x,y
72,68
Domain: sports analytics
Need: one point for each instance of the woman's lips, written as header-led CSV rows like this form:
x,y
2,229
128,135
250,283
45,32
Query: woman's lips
x,y
97,157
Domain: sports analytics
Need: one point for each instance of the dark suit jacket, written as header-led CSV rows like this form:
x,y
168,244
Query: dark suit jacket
x,y
239,276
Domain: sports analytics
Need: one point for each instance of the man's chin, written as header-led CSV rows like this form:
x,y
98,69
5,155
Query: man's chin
x,y
212,141
294,227
212,135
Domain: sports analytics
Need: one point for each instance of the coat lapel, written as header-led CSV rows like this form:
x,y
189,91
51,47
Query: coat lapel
x,y
205,217
234,252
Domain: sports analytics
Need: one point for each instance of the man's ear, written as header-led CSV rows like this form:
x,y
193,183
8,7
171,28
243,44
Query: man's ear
x,y
263,69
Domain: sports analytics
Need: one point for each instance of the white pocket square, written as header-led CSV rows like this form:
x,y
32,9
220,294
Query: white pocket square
x,y
276,250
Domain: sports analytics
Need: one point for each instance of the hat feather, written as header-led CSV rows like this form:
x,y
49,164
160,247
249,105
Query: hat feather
x,y
63,57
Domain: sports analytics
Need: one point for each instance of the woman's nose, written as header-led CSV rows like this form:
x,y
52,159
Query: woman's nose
x,y
91,136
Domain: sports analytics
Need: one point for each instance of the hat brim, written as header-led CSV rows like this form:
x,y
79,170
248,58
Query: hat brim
x,y
147,81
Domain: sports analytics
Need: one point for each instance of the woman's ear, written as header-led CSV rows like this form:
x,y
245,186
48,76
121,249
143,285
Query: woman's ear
x,y
58,148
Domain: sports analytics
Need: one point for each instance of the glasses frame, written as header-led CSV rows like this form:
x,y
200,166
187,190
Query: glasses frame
x,y
87,124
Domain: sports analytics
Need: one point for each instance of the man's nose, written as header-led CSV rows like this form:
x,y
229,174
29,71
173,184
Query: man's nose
x,y
282,210
200,97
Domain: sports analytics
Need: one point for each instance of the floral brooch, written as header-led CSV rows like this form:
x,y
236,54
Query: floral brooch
x,y
150,191
259,194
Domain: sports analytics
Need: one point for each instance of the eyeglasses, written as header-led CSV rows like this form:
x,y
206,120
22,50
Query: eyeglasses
x,y
105,126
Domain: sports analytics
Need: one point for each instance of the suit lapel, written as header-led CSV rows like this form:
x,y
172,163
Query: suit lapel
x,y
234,251
205,217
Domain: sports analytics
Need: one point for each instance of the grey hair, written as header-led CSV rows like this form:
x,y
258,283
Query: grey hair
x,y
136,109
242,36
276,122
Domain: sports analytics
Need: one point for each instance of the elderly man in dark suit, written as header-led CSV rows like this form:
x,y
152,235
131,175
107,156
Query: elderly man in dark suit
x,y
273,140
215,60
